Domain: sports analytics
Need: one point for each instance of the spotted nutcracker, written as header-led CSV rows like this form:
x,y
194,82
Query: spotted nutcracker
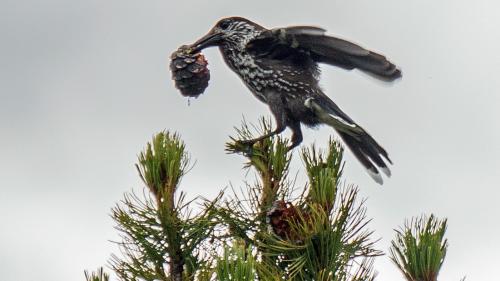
x,y
280,67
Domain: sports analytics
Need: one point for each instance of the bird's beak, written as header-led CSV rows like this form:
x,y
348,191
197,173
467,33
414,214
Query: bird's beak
x,y
212,38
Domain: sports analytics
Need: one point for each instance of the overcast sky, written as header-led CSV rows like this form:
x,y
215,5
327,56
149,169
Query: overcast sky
x,y
85,84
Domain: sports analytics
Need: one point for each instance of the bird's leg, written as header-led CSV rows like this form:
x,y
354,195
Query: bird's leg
x,y
296,134
277,108
280,127
249,143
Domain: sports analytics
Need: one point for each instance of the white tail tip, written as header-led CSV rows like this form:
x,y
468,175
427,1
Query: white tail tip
x,y
386,171
376,177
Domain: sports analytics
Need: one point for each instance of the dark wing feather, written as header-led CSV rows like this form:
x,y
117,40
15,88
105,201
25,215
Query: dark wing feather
x,y
281,42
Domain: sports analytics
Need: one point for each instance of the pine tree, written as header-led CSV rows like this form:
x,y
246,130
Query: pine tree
x,y
266,230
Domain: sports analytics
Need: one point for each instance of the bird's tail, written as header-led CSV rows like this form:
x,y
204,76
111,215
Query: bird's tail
x,y
369,153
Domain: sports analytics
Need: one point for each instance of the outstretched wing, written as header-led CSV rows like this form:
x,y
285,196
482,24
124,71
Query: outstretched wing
x,y
280,43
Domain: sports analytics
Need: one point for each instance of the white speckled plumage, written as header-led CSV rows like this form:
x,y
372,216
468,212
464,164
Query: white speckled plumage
x,y
280,67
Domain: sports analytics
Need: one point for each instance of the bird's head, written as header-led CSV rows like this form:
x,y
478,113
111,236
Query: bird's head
x,y
233,32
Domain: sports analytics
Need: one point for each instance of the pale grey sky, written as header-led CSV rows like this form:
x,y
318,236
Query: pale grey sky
x,y
85,84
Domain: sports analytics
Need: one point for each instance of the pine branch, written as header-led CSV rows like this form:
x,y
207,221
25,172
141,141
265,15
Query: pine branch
x,y
269,158
420,248
262,232
324,172
161,239
322,235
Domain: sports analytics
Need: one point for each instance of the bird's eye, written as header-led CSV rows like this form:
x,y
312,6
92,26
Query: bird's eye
x,y
224,24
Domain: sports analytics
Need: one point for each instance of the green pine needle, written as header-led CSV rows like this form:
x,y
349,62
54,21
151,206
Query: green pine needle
x,y
332,246
236,263
161,238
100,275
324,172
323,234
162,165
269,157
419,248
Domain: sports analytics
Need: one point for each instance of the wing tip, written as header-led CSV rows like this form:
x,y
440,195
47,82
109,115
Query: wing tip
x,y
397,74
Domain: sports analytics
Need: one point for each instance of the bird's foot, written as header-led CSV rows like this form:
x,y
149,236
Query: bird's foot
x,y
292,146
246,146
246,142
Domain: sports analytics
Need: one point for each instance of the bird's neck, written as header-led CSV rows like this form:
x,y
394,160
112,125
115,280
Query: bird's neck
x,y
234,49
246,66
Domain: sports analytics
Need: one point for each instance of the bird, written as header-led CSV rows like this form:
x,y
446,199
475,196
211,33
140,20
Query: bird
x,y
280,66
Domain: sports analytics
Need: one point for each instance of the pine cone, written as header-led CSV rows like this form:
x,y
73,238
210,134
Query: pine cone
x,y
279,218
189,71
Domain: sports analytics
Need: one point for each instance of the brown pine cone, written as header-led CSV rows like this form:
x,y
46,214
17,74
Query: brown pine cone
x,y
279,218
189,71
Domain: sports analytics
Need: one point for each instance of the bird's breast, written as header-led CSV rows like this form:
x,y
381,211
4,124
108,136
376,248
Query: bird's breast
x,y
263,76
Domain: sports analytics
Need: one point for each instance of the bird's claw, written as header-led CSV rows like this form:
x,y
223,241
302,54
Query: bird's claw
x,y
247,146
246,142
